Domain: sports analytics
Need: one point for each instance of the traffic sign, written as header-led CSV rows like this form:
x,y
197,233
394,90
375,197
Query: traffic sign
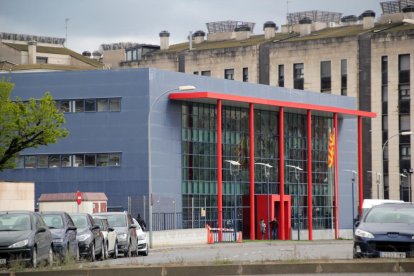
x,y
78,197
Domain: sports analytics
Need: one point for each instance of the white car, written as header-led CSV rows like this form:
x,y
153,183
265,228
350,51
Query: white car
x,y
110,237
142,239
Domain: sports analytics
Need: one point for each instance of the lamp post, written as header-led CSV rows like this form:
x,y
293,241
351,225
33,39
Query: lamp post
x,y
403,133
267,175
234,171
297,194
377,180
180,88
354,173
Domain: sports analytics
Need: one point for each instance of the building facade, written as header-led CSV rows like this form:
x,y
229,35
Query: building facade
x,y
193,136
322,52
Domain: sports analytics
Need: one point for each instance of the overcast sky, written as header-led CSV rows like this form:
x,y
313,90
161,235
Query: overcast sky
x,y
93,22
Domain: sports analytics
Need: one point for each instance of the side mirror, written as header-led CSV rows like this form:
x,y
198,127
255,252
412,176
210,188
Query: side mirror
x,y
96,226
71,228
41,230
110,229
357,224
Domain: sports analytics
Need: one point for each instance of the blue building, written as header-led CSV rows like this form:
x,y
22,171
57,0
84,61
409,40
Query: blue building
x,y
106,114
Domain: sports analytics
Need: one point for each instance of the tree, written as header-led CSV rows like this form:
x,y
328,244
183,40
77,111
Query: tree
x,y
26,124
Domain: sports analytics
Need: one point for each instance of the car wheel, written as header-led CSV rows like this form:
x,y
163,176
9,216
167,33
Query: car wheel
x,y
92,255
115,254
34,257
50,256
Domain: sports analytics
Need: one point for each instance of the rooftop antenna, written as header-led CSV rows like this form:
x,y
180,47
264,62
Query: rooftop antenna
x,y
66,28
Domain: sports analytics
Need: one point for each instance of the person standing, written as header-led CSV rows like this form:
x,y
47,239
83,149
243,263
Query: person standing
x,y
262,227
274,224
141,222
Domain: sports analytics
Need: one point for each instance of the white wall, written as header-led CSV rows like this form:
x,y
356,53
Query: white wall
x,y
179,237
16,196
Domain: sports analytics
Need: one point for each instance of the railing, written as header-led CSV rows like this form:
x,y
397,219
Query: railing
x,y
227,235
166,221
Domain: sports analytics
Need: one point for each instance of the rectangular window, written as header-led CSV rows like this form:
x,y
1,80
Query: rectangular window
x,y
42,161
281,75
102,160
229,74
298,77
79,160
19,162
129,55
54,161
66,160
405,122
102,105
245,74
404,69
344,77
206,73
79,106
325,76
114,159
384,70
64,106
405,152
90,160
90,105
115,104
195,73
30,161
41,60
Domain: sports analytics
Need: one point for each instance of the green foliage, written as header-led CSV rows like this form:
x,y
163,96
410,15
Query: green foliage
x,y
26,124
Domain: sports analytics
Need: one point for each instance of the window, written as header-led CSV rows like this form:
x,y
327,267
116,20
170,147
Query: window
x,y
229,74
325,76
404,91
245,74
90,105
405,152
281,75
30,161
206,73
384,70
195,73
114,159
102,105
41,60
79,162
115,104
19,162
405,122
66,160
129,55
102,159
64,106
42,161
54,161
404,69
344,77
79,106
298,78
90,160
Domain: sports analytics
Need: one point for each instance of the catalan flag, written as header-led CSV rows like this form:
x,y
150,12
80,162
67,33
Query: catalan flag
x,y
331,149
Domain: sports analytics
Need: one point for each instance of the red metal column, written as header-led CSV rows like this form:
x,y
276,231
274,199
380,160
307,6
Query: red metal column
x,y
360,196
281,174
310,208
219,173
336,176
251,130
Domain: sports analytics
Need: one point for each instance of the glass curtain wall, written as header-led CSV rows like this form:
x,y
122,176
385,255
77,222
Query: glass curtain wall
x,y
199,164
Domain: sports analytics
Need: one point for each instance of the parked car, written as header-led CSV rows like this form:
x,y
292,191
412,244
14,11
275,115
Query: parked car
x,y
64,231
367,204
110,238
24,237
90,238
386,231
125,229
142,239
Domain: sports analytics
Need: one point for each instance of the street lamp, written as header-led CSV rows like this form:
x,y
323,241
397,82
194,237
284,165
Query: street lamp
x,y
377,180
354,173
297,194
234,171
267,174
403,133
180,88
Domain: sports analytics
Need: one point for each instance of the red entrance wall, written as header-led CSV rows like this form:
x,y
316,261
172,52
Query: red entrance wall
x,y
274,203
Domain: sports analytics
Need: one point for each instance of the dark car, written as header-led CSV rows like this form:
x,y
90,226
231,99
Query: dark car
x,y
125,230
24,237
386,231
64,232
89,236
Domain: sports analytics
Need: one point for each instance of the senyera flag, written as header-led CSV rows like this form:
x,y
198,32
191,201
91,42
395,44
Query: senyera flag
x,y
331,148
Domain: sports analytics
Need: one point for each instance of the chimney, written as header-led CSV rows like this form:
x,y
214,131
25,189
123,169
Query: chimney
x,y
368,19
305,25
242,32
349,20
164,40
408,12
269,28
31,45
199,37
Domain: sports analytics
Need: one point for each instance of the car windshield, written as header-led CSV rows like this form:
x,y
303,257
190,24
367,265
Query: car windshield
x,y
15,222
79,221
116,220
53,221
101,223
391,215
